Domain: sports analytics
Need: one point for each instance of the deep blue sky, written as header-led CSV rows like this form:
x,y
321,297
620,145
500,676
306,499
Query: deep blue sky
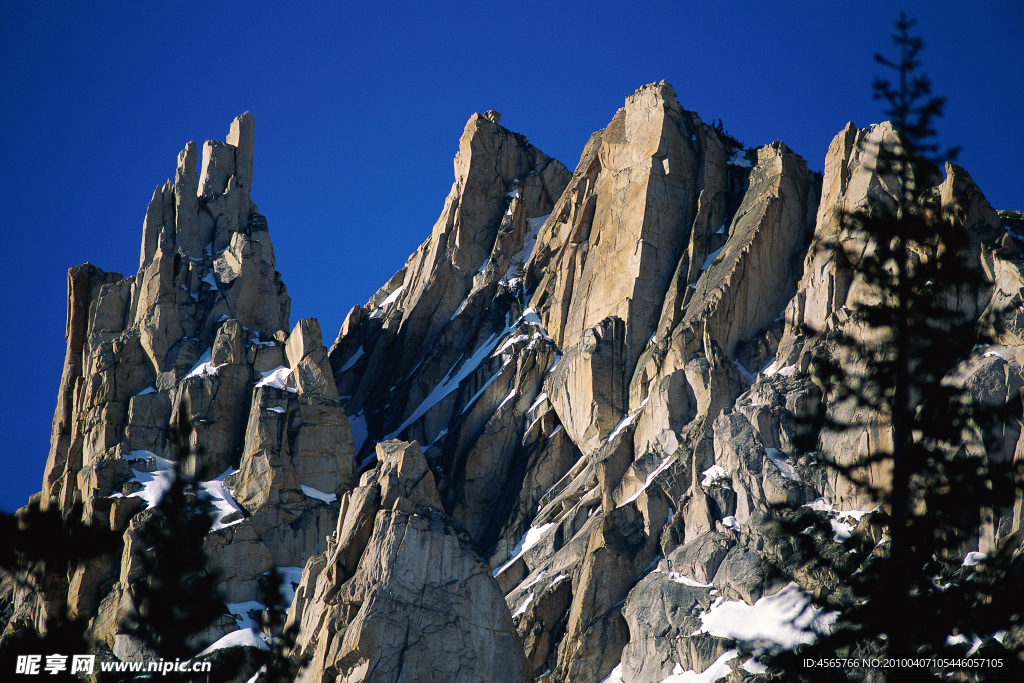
x,y
358,115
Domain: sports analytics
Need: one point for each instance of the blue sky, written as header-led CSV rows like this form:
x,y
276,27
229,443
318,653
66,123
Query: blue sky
x,y
358,115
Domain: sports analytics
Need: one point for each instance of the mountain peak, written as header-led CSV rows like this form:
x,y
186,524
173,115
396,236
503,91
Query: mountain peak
x,y
546,446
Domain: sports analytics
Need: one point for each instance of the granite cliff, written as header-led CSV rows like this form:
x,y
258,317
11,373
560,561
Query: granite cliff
x,y
543,450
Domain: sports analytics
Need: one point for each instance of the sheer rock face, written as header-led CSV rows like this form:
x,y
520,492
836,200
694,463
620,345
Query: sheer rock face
x,y
422,358
166,360
666,278
400,595
752,278
664,614
598,381
646,195
651,188
586,388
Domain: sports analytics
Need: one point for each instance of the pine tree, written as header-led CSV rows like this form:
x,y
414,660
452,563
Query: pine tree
x,y
911,104
282,663
177,596
905,595
41,547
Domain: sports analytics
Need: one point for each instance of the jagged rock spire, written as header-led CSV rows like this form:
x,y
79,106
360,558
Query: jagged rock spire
x,y
191,361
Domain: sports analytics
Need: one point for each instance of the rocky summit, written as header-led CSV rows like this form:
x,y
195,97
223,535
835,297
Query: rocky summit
x,y
544,450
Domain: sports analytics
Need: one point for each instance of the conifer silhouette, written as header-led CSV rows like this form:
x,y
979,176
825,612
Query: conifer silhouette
x,y
282,663
176,597
42,549
899,585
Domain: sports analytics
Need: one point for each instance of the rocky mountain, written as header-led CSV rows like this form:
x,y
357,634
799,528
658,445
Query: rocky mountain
x,y
543,450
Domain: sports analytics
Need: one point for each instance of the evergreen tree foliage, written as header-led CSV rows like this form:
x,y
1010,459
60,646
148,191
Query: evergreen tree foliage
x,y
911,104
177,596
732,143
41,550
283,664
899,586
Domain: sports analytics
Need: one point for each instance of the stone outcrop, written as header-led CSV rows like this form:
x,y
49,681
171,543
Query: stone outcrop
x,y
653,162
586,389
400,595
431,307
